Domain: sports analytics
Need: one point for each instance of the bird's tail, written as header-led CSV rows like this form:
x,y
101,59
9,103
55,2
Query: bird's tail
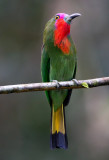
x,y
58,137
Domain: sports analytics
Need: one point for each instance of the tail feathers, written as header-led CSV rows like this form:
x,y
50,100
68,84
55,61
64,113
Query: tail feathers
x,y
58,140
58,137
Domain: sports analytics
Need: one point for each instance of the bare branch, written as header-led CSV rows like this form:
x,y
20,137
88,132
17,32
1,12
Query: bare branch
x,y
53,85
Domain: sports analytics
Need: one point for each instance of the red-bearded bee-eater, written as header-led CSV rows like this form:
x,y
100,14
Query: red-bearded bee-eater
x,y
59,63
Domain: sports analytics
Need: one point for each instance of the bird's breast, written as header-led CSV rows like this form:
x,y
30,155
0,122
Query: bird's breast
x,y
61,67
64,45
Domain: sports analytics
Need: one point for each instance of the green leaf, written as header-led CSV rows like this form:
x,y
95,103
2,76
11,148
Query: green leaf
x,y
85,85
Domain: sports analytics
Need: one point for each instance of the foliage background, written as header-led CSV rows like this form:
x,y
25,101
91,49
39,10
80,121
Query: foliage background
x,y
25,117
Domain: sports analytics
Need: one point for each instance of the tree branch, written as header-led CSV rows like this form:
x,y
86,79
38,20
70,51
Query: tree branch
x,y
53,85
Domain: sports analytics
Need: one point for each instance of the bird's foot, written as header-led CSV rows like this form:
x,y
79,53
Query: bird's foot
x,y
75,81
57,83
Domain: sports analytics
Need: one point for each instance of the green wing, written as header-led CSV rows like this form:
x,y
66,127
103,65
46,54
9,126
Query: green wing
x,y
45,68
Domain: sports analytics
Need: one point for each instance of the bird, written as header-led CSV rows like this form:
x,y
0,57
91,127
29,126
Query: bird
x,y
58,63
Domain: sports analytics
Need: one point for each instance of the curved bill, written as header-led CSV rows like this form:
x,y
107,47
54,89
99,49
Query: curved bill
x,y
72,16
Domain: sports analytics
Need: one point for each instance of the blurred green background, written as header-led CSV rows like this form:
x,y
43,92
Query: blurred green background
x,y
25,117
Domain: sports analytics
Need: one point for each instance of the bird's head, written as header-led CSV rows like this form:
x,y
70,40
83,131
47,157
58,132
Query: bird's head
x,y
58,27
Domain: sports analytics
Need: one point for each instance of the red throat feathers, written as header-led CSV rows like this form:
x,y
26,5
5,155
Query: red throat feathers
x,y
60,36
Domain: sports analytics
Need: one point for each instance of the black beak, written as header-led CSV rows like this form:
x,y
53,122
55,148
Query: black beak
x,y
72,16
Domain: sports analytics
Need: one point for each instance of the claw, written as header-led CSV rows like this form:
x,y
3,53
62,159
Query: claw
x,y
57,83
75,81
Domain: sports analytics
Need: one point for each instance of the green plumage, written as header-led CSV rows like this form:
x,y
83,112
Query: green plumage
x,y
58,62
56,65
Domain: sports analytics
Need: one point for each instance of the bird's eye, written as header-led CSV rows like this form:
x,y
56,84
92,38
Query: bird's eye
x,y
57,17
